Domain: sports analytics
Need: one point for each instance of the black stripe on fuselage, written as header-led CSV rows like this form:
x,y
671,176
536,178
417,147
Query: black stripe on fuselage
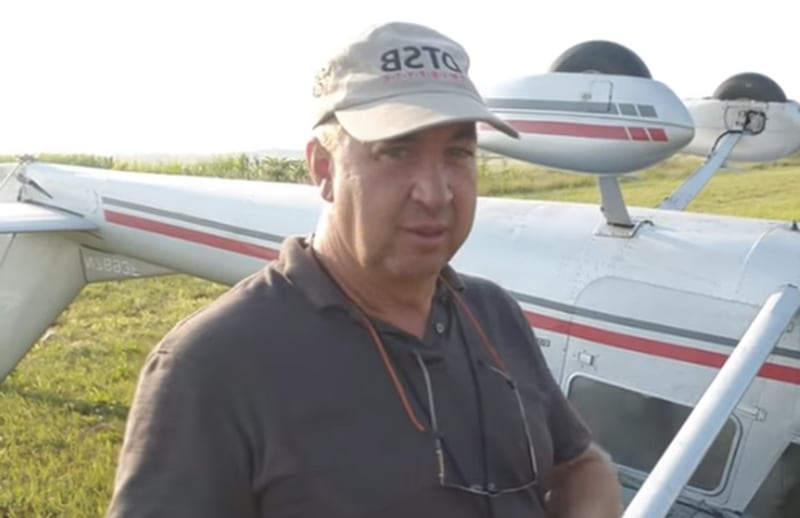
x,y
629,109
521,297
193,219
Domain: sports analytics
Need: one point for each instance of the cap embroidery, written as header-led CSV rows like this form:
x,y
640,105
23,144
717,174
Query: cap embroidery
x,y
416,57
322,81
423,74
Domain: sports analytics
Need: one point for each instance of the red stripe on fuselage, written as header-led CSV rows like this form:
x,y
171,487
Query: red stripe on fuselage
x,y
195,236
638,133
654,347
538,321
571,129
657,134
578,129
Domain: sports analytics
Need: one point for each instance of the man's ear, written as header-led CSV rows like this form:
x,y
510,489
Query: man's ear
x,y
320,166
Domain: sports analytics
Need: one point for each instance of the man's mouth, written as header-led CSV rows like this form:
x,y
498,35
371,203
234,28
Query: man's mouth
x,y
428,230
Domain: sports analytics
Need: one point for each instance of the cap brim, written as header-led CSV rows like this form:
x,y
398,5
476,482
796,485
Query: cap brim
x,y
393,117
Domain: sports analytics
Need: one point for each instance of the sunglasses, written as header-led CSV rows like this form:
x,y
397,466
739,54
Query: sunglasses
x,y
491,489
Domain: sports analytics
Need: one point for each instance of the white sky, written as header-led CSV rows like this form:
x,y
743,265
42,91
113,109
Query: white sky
x,y
195,76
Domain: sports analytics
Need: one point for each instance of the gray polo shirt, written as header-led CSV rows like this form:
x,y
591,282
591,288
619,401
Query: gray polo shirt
x,y
274,402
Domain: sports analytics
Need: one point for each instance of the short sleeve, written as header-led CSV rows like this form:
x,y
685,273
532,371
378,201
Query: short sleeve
x,y
183,453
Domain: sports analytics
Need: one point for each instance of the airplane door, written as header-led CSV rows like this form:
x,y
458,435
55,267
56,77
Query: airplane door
x,y
657,338
639,356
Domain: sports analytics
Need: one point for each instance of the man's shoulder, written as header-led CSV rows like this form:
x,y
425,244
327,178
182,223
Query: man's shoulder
x,y
240,316
495,307
482,290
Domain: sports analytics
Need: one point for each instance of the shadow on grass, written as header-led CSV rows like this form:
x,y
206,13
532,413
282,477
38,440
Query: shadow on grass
x,y
83,407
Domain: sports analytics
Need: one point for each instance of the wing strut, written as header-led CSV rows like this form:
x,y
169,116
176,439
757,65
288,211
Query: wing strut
x,y
674,469
689,189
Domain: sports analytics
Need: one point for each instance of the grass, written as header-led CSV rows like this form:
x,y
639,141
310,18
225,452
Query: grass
x,y
62,411
757,191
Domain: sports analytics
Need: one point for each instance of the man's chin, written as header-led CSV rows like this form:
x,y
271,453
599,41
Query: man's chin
x,y
419,267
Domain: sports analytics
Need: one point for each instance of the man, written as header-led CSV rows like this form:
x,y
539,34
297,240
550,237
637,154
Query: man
x,y
359,374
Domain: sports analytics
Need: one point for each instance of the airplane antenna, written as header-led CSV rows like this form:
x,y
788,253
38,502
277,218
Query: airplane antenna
x,y
24,159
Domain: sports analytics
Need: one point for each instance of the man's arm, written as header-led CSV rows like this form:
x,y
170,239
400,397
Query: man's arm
x,y
584,482
184,454
585,487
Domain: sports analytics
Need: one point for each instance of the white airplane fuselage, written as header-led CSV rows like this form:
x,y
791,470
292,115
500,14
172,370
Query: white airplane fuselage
x,y
652,312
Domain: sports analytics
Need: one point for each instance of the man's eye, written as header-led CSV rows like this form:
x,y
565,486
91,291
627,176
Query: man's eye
x,y
395,152
462,152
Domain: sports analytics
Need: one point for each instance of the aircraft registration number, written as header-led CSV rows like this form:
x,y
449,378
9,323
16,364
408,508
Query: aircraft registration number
x,y
114,265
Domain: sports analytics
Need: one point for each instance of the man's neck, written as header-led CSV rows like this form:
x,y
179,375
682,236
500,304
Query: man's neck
x,y
399,302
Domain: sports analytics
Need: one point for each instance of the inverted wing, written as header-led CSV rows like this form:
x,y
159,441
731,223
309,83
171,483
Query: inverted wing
x,y
26,217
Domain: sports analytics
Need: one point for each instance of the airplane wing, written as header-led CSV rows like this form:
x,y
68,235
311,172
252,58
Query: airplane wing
x,y
26,217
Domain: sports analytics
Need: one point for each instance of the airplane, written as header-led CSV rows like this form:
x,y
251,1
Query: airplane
x,y
676,335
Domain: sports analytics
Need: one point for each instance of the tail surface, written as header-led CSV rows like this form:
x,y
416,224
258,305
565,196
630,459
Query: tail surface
x,y
43,266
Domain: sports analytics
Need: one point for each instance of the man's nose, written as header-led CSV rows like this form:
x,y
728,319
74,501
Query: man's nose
x,y
432,185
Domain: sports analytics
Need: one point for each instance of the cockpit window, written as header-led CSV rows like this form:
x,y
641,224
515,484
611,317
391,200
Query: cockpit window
x,y
636,429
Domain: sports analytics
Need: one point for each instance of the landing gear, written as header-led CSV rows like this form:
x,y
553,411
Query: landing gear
x,y
602,57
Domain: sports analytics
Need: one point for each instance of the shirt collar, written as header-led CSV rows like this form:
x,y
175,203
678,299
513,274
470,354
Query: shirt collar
x,y
297,263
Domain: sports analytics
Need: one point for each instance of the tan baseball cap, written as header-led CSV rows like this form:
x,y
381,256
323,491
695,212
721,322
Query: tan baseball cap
x,y
396,78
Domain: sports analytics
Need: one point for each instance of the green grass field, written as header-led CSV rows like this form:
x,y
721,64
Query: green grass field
x,y
62,411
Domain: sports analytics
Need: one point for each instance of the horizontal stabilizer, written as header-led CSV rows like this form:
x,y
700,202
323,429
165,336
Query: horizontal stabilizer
x,y
26,217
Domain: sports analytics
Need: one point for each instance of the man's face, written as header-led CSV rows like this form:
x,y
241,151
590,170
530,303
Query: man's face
x,y
404,206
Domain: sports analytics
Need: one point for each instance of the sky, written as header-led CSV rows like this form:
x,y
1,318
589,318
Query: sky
x,y
216,76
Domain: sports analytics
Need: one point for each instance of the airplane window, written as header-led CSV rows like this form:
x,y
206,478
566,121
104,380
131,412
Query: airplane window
x,y
779,494
636,429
